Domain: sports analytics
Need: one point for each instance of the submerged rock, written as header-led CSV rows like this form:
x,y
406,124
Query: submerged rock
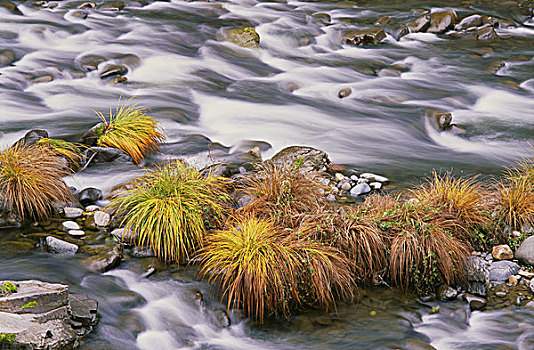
x,y
7,57
344,92
42,315
475,302
371,36
244,37
106,155
108,257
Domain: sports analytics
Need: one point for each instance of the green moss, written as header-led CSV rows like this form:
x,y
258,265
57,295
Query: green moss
x,y
8,288
29,305
7,338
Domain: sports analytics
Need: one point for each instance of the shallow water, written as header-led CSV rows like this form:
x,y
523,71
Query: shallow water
x,y
213,97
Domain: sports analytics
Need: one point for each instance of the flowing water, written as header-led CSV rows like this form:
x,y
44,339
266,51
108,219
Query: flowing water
x,y
213,97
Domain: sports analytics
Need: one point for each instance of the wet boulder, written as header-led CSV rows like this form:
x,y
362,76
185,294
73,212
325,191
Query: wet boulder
x,y
106,155
113,70
11,7
306,159
90,63
89,195
107,257
7,57
486,33
478,275
525,252
442,21
112,6
59,246
419,25
360,37
244,37
40,315
32,137
469,22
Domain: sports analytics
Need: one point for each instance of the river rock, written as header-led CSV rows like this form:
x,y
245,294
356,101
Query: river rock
x,y
59,246
421,24
502,252
306,158
88,5
469,22
112,6
72,212
43,315
76,233
32,137
124,235
360,190
105,260
375,185
525,252
344,92
443,120
90,63
89,195
447,293
531,285
113,70
11,7
370,177
475,302
370,36
102,219
244,37
442,21
477,275
487,33
106,155
69,225
500,271
91,208
7,57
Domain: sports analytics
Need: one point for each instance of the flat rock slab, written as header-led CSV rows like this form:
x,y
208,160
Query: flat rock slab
x,y
35,297
43,316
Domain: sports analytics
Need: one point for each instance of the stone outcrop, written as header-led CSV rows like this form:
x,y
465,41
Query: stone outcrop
x,y
39,315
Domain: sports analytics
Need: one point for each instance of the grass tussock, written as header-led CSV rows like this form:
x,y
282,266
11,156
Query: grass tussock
x,y
464,200
268,271
170,209
31,181
515,202
283,194
131,130
61,148
423,249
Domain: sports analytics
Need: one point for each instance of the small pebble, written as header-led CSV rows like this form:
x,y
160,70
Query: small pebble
x,y
76,233
70,225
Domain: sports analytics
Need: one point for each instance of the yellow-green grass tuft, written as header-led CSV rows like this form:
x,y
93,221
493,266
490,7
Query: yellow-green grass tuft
x,y
269,272
61,148
515,202
463,199
131,130
170,209
283,194
31,181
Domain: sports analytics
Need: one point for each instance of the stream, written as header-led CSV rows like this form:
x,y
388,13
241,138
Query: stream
x,y
216,99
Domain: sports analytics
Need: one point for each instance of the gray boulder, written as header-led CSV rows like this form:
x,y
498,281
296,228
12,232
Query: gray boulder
x,y
89,195
469,22
500,271
42,315
477,276
306,159
58,246
106,155
525,252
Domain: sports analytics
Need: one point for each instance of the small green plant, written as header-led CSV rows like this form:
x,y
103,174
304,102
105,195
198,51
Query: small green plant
x,y
29,305
131,130
7,338
31,180
170,209
8,288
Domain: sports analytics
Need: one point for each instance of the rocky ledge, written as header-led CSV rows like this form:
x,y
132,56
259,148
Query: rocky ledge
x,y
39,315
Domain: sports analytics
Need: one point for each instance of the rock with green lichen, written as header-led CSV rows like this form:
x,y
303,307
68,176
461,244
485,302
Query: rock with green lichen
x,y
245,37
